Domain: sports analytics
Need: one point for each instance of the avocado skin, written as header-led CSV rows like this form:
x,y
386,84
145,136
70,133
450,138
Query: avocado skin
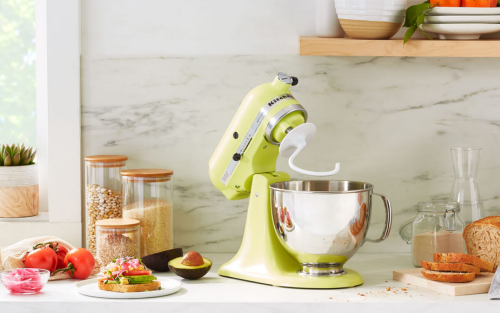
x,y
158,262
191,273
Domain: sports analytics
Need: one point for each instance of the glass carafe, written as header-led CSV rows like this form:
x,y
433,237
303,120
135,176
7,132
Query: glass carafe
x,y
437,228
465,190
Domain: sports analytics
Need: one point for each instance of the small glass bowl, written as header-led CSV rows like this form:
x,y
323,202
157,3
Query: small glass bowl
x,y
28,281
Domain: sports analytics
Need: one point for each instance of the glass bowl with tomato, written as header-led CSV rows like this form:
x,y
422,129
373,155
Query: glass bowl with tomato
x,y
24,280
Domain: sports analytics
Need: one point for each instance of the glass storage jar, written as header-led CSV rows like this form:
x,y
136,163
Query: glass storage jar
x,y
148,197
103,197
117,238
437,228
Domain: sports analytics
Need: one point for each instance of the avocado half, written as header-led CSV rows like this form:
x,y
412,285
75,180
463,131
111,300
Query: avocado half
x,y
190,272
159,261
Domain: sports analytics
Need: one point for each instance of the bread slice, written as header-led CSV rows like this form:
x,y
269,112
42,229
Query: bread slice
x,y
451,267
155,285
463,258
482,239
449,276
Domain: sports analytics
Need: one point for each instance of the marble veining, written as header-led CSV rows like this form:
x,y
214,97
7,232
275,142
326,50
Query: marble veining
x,y
388,121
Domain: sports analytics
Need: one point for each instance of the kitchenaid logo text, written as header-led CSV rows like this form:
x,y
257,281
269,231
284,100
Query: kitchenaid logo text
x,y
278,99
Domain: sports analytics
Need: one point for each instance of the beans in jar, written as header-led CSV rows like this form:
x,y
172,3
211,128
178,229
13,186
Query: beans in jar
x,y
102,203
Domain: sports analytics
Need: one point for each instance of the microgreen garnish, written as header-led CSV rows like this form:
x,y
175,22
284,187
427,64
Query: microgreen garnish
x,y
415,16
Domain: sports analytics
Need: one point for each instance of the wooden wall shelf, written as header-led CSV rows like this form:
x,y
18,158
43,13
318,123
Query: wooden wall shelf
x,y
484,48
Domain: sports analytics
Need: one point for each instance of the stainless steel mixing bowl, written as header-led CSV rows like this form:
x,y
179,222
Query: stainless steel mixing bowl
x,y
323,223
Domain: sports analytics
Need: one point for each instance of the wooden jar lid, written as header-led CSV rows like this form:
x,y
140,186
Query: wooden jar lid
x,y
118,222
146,175
106,158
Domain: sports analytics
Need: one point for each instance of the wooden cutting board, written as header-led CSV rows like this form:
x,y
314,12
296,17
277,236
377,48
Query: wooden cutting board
x,y
481,284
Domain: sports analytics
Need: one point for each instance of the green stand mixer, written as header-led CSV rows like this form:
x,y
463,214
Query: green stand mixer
x,y
298,233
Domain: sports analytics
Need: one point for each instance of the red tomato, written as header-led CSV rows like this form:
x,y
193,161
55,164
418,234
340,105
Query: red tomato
x,y
80,263
61,252
476,3
43,257
137,273
446,3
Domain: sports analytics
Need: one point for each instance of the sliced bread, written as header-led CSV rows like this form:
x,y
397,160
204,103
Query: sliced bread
x,y
449,277
155,285
482,239
451,267
463,258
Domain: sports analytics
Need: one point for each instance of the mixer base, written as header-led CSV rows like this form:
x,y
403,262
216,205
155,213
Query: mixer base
x,y
294,280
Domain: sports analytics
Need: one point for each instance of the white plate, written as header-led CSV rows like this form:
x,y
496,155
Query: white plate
x,y
488,19
89,288
461,31
464,11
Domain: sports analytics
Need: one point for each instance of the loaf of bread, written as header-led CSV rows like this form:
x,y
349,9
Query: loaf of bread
x,y
451,267
463,258
155,285
449,277
482,239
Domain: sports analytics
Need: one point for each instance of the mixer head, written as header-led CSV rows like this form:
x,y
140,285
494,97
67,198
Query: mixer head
x,y
250,144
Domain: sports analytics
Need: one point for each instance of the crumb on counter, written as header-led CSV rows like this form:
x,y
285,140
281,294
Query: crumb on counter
x,y
388,289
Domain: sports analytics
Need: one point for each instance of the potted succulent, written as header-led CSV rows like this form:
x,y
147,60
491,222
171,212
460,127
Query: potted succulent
x,y
18,181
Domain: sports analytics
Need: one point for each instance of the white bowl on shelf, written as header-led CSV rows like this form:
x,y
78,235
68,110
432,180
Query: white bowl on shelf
x,y
464,11
371,19
462,19
461,31
392,11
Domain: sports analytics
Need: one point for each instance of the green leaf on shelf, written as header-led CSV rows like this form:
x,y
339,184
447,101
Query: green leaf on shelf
x,y
415,16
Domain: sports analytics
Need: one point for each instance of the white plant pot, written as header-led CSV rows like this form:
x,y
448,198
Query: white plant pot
x,y
19,191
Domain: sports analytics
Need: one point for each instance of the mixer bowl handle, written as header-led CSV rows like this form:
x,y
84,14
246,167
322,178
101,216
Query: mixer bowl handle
x,y
388,220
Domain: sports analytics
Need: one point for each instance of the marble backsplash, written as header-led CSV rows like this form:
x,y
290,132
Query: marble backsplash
x,y
388,121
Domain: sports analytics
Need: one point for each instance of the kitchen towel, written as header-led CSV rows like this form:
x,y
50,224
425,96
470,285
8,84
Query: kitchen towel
x,y
12,257
494,293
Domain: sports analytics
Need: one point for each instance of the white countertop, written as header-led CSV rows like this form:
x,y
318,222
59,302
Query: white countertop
x,y
213,293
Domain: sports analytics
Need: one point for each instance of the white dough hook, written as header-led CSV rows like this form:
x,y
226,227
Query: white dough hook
x,y
295,141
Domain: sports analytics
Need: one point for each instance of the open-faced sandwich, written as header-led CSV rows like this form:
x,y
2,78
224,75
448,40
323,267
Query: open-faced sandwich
x,y
128,275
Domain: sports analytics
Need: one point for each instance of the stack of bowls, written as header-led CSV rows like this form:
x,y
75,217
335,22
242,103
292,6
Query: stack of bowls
x,y
371,19
462,22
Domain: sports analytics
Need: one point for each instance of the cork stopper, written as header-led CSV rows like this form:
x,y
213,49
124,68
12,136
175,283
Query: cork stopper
x,y
147,175
118,222
106,160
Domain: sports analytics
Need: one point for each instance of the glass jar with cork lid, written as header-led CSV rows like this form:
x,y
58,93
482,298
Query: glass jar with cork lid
x,y
148,197
103,197
117,238
437,228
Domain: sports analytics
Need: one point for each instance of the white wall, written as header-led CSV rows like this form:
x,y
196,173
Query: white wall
x,y
194,27
162,79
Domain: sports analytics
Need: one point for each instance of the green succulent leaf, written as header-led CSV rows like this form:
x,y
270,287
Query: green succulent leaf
x,y
33,158
7,161
25,155
16,159
16,155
